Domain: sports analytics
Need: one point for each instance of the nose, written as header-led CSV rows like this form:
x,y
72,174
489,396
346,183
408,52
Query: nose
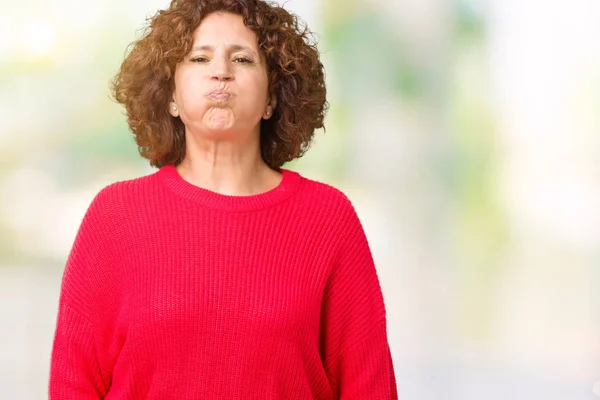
x,y
222,69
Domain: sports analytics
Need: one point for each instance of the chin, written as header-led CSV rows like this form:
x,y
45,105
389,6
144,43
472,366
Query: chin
x,y
220,128
219,131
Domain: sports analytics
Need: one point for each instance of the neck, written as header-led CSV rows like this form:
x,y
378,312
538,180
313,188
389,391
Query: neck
x,y
227,167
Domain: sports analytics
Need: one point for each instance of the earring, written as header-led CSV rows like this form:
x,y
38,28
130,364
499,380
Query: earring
x,y
174,108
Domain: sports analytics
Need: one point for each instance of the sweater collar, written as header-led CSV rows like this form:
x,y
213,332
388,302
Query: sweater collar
x,y
289,184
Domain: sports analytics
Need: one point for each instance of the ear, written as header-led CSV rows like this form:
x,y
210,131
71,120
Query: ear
x,y
273,101
173,109
271,104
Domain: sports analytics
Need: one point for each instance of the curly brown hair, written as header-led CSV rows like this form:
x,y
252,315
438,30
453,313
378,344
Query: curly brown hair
x,y
144,83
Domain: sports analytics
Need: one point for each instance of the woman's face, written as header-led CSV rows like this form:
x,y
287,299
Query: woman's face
x,y
221,86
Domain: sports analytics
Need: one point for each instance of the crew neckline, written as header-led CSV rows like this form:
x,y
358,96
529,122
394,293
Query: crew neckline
x,y
289,184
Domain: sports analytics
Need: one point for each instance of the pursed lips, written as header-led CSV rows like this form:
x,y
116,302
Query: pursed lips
x,y
218,95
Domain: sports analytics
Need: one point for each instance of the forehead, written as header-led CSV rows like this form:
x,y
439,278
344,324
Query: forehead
x,y
224,27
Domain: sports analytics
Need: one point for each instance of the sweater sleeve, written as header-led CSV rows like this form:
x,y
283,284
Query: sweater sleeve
x,y
354,343
75,371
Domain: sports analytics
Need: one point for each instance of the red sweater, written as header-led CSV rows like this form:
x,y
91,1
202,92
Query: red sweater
x,y
172,291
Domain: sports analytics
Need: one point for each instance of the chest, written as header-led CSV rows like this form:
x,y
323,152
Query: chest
x,y
224,278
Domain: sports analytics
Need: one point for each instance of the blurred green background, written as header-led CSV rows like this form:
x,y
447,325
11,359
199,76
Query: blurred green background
x,y
466,133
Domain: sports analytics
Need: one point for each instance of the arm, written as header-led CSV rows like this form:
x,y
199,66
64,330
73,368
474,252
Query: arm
x,y
354,342
75,372
74,369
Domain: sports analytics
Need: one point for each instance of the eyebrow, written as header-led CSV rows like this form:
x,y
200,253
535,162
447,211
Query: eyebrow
x,y
233,47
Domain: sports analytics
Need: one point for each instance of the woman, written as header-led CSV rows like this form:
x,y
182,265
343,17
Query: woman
x,y
221,275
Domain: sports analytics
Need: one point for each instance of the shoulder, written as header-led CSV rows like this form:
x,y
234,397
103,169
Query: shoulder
x,y
329,199
322,191
112,199
333,210
129,189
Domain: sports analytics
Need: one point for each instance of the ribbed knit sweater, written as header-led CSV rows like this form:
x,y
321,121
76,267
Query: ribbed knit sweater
x,y
172,291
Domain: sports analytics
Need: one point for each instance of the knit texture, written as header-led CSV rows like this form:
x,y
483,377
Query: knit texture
x,y
172,291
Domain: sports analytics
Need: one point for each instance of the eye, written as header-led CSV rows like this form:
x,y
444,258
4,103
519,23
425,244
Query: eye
x,y
199,59
242,60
